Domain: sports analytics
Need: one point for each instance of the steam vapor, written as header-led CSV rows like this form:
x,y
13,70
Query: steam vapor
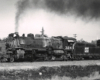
x,y
80,8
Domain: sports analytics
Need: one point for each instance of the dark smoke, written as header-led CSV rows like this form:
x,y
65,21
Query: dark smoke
x,y
83,8
80,8
22,5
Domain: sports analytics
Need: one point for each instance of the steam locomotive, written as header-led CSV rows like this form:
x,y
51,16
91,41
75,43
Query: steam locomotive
x,y
41,47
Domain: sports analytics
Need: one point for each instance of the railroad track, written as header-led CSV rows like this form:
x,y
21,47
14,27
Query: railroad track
x,y
32,65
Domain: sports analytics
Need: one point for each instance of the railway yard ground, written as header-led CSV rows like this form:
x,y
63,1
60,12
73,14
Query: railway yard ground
x,y
51,70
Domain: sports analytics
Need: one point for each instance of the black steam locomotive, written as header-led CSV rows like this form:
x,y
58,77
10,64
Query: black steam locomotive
x,y
40,47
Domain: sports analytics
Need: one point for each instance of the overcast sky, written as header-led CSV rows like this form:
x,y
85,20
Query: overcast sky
x,y
37,14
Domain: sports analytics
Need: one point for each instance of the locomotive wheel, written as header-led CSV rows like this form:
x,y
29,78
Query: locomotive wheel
x,y
11,59
46,58
62,57
65,58
49,50
32,58
33,55
33,51
0,60
82,58
53,58
28,57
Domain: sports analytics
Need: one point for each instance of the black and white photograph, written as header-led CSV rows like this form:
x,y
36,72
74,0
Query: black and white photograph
x,y
49,39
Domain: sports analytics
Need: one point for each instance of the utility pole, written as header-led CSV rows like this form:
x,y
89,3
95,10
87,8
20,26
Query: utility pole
x,y
75,35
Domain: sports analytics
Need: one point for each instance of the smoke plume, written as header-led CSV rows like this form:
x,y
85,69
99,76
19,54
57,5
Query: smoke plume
x,y
80,8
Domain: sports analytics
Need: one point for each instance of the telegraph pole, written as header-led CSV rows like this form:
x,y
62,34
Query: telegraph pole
x,y
75,35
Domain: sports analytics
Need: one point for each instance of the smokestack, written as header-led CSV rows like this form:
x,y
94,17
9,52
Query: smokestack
x,y
16,34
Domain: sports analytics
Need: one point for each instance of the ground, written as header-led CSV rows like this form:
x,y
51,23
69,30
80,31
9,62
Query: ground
x,y
55,70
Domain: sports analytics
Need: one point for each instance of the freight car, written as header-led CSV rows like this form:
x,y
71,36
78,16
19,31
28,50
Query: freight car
x,y
84,50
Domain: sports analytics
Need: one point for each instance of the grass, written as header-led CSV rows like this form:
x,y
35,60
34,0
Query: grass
x,y
53,73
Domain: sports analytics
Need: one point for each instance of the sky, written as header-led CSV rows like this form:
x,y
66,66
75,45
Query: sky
x,y
57,17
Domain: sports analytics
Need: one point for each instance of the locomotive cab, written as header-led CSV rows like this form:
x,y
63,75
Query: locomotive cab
x,y
68,44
